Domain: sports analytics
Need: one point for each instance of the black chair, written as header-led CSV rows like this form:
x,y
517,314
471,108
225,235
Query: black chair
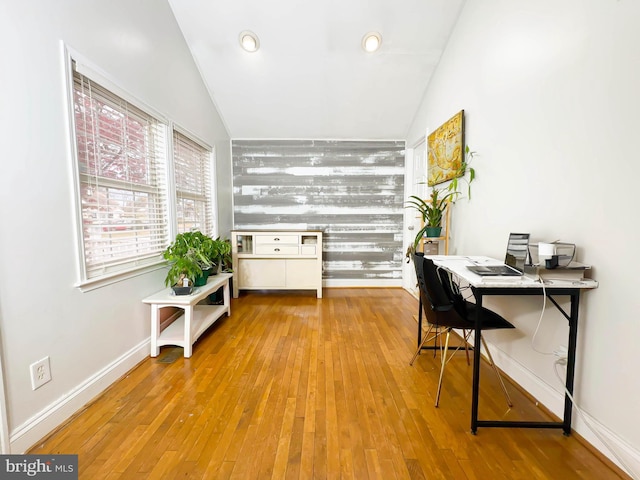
x,y
446,309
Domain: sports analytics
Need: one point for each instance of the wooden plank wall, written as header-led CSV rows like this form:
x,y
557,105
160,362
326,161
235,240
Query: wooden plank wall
x,y
351,190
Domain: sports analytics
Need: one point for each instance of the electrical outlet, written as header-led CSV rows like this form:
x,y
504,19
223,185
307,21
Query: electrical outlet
x,y
40,373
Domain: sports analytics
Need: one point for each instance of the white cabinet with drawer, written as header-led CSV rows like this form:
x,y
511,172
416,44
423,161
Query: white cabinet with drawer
x,y
277,260
274,239
277,249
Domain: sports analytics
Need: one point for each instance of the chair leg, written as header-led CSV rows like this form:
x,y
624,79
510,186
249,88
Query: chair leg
x,y
443,359
436,339
495,369
425,339
466,336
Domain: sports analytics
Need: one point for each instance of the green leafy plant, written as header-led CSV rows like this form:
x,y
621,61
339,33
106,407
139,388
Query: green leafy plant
x,y
210,251
431,210
219,253
432,217
466,173
181,268
188,256
224,258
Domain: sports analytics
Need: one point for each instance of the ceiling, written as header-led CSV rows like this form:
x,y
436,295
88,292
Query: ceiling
x,y
311,78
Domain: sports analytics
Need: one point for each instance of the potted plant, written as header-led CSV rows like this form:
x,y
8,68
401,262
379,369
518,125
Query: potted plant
x,y
182,275
189,258
209,248
224,260
218,252
431,211
432,217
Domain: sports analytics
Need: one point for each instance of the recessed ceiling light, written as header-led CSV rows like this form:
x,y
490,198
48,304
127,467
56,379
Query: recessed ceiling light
x,y
371,42
249,41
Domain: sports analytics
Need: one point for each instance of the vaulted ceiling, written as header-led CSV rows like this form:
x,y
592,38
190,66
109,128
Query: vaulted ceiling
x,y
311,78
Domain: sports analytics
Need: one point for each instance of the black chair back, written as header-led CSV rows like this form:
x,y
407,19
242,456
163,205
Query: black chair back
x,y
433,296
429,283
437,305
453,292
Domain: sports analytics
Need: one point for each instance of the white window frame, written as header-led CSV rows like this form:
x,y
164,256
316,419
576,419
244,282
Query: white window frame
x,y
143,263
207,196
153,262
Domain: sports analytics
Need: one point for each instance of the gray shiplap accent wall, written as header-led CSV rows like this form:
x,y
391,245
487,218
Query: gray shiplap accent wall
x,y
351,190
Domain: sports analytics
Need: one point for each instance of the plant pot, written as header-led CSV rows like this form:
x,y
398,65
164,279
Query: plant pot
x,y
217,297
201,281
182,290
433,231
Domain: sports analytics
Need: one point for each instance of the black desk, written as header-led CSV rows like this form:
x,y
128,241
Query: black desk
x,y
482,288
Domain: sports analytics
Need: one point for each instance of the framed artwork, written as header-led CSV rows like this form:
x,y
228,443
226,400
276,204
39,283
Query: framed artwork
x,y
445,148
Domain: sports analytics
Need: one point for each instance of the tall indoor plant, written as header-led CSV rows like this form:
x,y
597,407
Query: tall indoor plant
x,y
432,211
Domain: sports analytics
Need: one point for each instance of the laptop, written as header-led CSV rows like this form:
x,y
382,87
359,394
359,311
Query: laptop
x,y
514,260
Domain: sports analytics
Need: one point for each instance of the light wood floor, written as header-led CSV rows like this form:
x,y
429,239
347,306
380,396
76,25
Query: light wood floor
x,y
294,387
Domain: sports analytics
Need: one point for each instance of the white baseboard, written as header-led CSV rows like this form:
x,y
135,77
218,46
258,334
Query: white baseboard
x,y
25,436
544,393
553,400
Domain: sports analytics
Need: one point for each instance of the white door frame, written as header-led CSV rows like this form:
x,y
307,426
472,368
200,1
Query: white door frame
x,y
415,178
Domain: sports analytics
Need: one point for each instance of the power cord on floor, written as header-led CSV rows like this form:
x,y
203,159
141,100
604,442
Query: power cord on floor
x,y
563,361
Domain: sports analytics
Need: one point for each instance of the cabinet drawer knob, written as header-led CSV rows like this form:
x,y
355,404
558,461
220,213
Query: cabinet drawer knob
x,y
276,239
276,249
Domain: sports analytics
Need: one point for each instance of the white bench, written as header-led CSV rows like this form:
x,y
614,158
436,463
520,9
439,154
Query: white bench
x,y
185,330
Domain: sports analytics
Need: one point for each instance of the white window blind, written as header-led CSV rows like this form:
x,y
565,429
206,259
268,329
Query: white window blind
x,y
192,167
121,168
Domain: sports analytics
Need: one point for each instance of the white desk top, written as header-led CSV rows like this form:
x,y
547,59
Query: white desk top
x,y
457,264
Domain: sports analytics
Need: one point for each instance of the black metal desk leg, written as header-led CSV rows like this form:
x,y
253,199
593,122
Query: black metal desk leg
x,y
571,361
476,364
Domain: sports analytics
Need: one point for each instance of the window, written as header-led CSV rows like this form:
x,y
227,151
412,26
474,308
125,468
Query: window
x,y
192,166
121,171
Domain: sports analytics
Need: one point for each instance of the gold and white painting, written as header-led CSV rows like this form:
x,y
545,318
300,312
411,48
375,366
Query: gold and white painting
x,y
445,150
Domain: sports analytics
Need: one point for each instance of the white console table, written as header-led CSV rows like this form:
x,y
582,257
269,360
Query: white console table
x,y
186,329
277,260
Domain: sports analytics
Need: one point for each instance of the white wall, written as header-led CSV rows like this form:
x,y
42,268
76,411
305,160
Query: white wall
x,y
550,92
94,337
